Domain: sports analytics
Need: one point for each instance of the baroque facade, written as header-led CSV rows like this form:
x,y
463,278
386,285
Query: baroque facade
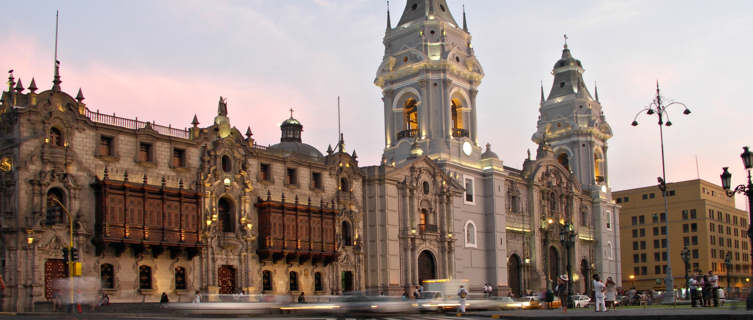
x,y
158,209
457,210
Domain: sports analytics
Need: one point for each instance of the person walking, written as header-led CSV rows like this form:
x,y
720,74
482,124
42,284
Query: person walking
x,y
706,291
301,298
611,294
599,289
693,287
164,299
561,290
714,283
197,297
462,294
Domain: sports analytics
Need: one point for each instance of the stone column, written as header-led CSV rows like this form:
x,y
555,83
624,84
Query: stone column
x,y
473,92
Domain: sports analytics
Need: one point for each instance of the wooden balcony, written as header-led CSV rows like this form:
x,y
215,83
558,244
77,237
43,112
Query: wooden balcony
x,y
427,228
410,133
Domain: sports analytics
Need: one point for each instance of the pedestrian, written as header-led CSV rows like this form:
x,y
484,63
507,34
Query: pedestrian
x,y
693,287
197,297
416,293
164,299
561,290
301,298
462,294
611,294
706,291
599,289
714,280
406,296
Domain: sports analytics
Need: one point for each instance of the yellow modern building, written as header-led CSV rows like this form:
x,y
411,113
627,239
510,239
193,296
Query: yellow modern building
x,y
701,217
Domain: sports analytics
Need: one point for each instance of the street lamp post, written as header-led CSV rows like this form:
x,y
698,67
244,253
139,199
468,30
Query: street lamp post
x,y
747,190
567,238
728,265
661,109
685,254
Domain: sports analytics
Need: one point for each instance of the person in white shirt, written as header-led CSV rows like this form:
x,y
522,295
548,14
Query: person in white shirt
x,y
714,280
599,289
693,288
462,294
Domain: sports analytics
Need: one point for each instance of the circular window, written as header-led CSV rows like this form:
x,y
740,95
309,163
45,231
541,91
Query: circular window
x,y
432,31
227,165
426,187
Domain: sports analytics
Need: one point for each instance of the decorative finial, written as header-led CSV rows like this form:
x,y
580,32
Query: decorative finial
x,y
542,92
291,112
341,144
11,81
222,107
195,121
56,81
32,86
354,156
329,149
249,133
596,91
79,96
565,36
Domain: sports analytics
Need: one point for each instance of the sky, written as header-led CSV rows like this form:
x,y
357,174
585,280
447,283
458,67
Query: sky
x,y
165,61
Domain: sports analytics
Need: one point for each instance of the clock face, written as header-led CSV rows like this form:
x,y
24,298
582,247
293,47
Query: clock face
x,y
467,148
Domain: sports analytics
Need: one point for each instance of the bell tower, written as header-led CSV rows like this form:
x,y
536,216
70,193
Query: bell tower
x,y
572,122
429,77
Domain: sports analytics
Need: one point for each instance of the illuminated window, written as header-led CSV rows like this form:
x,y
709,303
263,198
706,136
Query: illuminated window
x,y
56,137
180,278
598,166
145,277
107,276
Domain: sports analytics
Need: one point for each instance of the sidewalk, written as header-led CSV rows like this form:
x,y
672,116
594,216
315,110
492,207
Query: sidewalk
x,y
624,314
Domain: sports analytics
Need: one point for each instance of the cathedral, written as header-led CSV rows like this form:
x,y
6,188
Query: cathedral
x,y
150,208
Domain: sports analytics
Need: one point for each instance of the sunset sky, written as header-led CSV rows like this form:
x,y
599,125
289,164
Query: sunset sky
x,y
168,60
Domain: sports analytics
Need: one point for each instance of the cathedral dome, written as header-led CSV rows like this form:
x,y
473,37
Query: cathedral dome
x,y
567,60
489,154
290,141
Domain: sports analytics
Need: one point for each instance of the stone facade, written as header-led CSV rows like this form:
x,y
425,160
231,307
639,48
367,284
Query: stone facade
x,y
55,147
488,223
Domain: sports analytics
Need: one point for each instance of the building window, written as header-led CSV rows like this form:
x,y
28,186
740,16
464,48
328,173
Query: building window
x,y
634,220
644,270
347,234
711,227
663,217
470,234
264,172
293,281
641,219
227,164
180,278
226,213
598,166
663,243
643,257
651,195
318,282
695,253
56,137
656,243
105,147
664,230
426,188
693,214
291,176
344,186
655,218
609,220
179,158
610,250
693,227
635,245
643,245
671,193
686,241
636,258
694,240
410,115
656,231
635,233
685,227
713,240
657,256
266,280
684,214
469,191
107,276
643,232
316,178
55,213
145,277
145,152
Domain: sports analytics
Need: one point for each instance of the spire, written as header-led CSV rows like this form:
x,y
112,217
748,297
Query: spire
x,y
249,133
79,96
32,86
423,10
56,79
11,81
542,92
465,24
19,86
195,121
389,20
596,92
341,144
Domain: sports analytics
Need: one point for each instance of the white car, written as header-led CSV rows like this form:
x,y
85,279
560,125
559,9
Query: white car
x,y
581,301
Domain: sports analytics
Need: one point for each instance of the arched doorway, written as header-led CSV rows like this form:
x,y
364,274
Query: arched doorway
x,y
514,275
226,212
347,281
584,269
426,266
554,264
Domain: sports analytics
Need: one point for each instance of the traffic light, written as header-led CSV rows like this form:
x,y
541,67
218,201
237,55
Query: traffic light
x,y
65,255
74,254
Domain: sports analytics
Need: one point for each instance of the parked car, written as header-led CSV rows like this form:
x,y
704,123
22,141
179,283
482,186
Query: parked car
x,y
581,301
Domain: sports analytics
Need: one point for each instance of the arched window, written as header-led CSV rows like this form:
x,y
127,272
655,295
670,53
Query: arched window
x,y
552,204
107,276
145,277
227,164
347,234
457,114
318,282
56,137
344,186
266,280
180,278
470,234
426,187
598,166
55,213
226,214
564,160
584,217
293,281
610,251
410,114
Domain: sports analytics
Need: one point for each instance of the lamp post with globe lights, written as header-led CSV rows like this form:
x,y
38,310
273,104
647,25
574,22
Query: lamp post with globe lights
x,y
747,190
660,108
685,254
567,238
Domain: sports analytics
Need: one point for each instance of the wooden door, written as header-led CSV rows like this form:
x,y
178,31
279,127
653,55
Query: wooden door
x,y
226,279
514,275
54,269
426,267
